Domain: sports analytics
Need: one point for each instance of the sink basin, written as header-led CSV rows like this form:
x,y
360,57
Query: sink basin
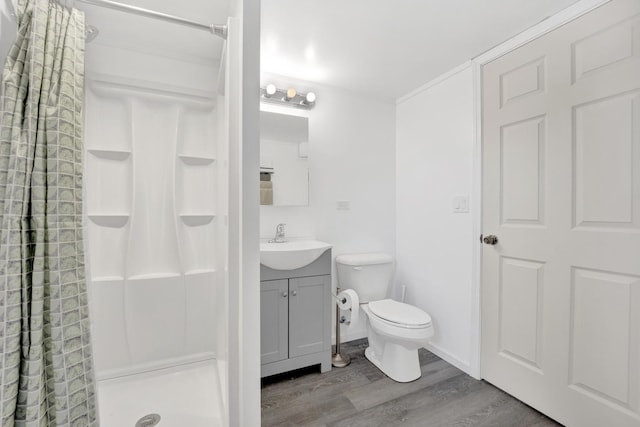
x,y
291,255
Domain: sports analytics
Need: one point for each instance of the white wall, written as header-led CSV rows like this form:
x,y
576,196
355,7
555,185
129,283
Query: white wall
x,y
351,158
245,405
434,152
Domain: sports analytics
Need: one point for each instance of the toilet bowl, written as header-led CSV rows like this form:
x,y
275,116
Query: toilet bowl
x,y
395,330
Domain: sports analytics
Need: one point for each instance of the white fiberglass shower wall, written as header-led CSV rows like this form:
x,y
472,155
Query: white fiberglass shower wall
x,y
156,183
152,182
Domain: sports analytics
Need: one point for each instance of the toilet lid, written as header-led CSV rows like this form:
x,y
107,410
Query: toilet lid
x,y
400,313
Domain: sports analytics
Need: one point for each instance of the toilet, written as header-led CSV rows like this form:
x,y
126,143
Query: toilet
x,y
395,330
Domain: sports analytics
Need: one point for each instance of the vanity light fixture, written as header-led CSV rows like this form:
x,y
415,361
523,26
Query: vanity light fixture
x,y
289,97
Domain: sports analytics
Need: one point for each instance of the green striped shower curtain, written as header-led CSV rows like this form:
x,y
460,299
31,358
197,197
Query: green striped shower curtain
x,y
46,370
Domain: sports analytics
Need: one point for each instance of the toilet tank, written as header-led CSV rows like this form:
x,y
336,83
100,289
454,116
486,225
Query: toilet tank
x,y
368,274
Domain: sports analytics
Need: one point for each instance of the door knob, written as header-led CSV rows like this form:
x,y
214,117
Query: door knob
x,y
490,239
284,295
294,293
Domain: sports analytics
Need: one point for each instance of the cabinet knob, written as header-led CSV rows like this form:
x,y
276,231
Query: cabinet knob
x,y
294,293
284,295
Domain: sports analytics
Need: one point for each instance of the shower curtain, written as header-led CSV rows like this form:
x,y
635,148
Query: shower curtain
x,y
46,368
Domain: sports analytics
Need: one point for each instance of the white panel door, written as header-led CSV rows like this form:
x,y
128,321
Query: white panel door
x,y
561,191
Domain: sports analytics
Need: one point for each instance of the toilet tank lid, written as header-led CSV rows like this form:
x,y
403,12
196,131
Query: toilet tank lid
x,y
364,259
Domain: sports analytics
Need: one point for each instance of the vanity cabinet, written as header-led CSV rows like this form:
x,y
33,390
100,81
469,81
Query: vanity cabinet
x,y
295,317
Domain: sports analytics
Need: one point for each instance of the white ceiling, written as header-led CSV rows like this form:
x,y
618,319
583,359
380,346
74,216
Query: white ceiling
x,y
159,37
387,48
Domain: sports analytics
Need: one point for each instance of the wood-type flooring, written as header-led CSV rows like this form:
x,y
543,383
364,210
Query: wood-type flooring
x,y
361,395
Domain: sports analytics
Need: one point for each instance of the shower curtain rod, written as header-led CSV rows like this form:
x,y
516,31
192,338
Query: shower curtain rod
x,y
218,30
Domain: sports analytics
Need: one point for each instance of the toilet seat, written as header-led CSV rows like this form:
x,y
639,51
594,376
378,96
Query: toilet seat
x,y
399,314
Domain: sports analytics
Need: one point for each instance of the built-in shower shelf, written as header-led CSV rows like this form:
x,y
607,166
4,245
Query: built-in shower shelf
x,y
110,154
153,276
106,279
197,271
109,220
200,271
196,160
197,219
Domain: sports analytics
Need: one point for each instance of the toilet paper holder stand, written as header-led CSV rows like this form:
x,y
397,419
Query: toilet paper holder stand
x,y
339,360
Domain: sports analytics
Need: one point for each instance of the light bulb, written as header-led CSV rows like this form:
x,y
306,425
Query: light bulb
x,y
291,93
270,90
310,98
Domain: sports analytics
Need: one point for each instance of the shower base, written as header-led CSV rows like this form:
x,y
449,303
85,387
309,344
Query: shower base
x,y
187,395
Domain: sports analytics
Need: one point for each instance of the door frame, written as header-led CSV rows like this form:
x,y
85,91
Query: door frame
x,y
561,18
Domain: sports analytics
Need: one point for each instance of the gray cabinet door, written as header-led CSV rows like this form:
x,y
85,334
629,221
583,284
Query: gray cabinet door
x,y
309,315
274,301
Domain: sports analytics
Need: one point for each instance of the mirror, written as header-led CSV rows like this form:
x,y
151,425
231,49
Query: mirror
x,y
284,166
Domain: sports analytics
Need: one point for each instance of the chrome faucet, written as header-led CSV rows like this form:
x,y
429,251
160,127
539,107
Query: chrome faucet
x,y
280,238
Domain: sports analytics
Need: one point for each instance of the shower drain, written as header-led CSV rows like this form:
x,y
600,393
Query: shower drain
x,y
149,420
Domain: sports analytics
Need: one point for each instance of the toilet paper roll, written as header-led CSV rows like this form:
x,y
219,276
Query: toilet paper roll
x,y
348,300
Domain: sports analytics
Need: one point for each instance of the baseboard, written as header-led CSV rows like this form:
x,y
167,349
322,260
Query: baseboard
x,y
351,337
450,358
438,351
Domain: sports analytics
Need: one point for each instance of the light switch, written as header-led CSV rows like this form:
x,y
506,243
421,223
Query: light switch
x,y
461,204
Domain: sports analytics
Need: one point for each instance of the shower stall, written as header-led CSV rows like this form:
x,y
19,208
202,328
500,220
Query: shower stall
x,y
170,147
156,180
